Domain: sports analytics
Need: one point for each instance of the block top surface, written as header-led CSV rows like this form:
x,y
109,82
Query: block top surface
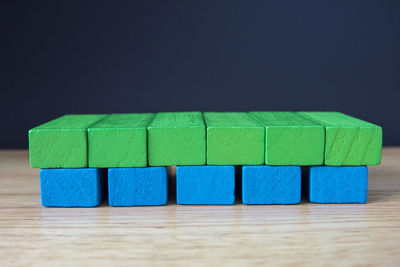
x,y
128,120
230,119
336,119
286,119
74,121
177,119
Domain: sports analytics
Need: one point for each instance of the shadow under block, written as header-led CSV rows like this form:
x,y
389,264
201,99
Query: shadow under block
x,y
348,141
72,187
119,140
177,138
205,185
271,184
291,139
61,143
137,186
328,184
234,138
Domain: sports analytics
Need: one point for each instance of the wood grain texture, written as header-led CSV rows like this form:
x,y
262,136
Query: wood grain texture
x,y
348,140
85,187
119,140
234,138
137,186
291,139
62,142
271,184
177,138
304,234
331,184
209,185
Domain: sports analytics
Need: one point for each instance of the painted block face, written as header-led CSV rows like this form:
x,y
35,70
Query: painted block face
x,y
205,185
119,140
72,187
271,184
327,184
291,139
177,139
61,143
137,186
348,141
234,138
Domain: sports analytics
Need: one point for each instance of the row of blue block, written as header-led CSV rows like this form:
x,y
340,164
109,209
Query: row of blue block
x,y
207,185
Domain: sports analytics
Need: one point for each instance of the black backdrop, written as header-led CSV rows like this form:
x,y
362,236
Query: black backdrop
x,y
62,57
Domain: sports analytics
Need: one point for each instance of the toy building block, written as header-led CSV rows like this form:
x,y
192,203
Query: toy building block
x,y
61,143
348,141
291,139
234,138
329,184
271,184
137,186
119,140
205,185
177,138
72,187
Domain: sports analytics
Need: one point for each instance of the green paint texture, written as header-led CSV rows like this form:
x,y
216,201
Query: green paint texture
x,y
348,140
291,139
234,138
177,138
119,140
61,143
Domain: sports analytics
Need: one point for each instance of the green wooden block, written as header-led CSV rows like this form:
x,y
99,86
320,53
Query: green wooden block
x,y
177,138
348,141
234,138
61,143
119,140
291,139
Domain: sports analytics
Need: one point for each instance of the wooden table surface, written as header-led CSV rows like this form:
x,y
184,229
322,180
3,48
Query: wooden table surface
x,y
198,235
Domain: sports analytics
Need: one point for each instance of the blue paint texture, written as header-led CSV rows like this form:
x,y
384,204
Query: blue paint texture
x,y
338,184
72,187
271,184
137,186
205,185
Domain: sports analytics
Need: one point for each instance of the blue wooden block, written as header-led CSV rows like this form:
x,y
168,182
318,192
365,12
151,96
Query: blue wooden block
x,y
343,184
137,186
72,187
271,184
205,185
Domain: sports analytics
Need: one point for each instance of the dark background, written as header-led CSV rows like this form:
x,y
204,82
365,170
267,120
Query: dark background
x,y
62,57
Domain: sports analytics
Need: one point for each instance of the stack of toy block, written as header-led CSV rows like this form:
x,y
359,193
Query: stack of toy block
x,y
280,155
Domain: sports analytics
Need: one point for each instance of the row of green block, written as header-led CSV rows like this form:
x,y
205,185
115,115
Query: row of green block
x,y
213,138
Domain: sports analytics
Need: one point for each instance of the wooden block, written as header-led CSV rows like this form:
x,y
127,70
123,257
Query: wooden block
x,y
348,141
291,139
61,143
72,187
234,138
137,186
327,184
271,184
119,140
205,185
177,138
